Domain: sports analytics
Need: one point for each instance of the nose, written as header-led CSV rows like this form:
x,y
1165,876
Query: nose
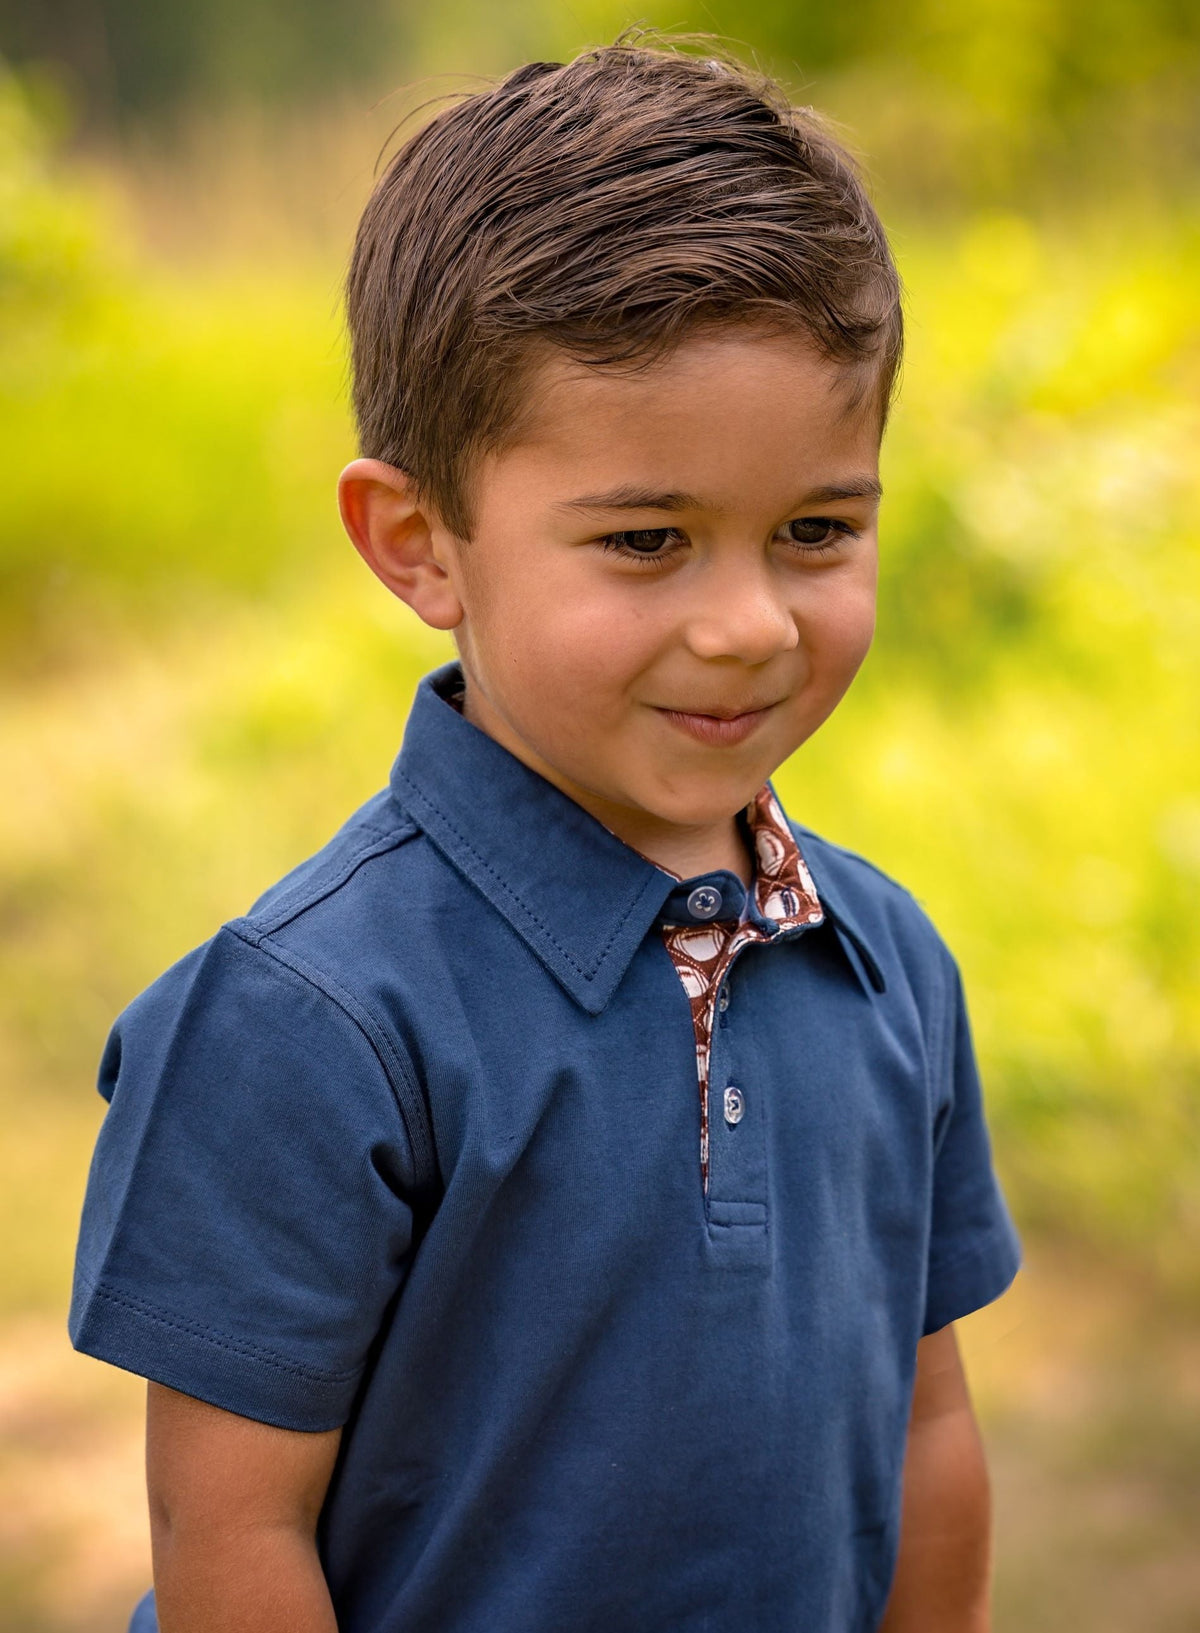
x,y
740,613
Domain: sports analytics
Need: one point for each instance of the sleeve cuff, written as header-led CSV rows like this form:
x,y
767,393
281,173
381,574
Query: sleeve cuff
x,y
970,1279
238,1376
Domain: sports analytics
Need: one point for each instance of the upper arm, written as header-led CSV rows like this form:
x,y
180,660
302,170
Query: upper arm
x,y
212,1470
941,1385
248,1219
942,1569
947,1500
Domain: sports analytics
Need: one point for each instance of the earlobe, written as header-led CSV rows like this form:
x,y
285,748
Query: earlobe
x,y
393,531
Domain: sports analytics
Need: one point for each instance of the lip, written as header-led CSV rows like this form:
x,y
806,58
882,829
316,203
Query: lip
x,y
718,730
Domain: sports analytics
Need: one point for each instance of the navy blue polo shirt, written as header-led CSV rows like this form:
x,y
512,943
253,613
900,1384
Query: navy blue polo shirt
x,y
413,1148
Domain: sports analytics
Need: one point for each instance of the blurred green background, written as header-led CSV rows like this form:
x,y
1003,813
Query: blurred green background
x,y
199,681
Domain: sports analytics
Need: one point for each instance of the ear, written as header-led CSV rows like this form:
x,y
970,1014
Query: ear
x,y
392,530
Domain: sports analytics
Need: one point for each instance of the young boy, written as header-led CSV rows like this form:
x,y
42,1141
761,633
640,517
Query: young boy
x,y
548,1209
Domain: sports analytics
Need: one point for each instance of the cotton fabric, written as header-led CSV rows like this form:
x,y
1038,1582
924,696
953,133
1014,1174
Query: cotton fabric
x,y
411,1149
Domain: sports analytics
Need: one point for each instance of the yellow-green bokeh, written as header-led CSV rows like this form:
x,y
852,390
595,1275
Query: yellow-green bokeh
x,y
200,681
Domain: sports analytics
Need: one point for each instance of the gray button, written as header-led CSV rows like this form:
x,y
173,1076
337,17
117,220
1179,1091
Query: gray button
x,y
735,1106
723,1000
704,902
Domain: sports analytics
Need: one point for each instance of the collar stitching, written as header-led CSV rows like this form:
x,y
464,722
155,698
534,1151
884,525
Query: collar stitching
x,y
506,889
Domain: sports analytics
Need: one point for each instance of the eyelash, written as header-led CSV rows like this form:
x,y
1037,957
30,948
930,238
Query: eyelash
x,y
618,543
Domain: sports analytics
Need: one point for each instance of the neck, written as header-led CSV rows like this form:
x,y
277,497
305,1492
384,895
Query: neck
x,y
684,851
681,849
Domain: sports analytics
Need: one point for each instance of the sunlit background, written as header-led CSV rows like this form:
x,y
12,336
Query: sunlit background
x,y
199,681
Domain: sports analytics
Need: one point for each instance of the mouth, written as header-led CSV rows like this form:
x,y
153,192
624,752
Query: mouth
x,y
718,727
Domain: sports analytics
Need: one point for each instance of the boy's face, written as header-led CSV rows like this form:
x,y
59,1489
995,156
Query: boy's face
x,y
671,578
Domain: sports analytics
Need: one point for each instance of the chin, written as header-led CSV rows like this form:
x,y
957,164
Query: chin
x,y
696,807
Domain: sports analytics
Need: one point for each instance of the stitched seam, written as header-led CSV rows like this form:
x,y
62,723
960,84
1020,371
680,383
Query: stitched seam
x,y
226,1341
940,1057
374,1036
935,1043
317,890
507,891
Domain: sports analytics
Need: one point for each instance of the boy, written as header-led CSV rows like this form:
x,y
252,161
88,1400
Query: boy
x,y
549,1208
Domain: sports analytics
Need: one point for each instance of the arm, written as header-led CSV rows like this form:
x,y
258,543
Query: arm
x,y
942,1575
233,1514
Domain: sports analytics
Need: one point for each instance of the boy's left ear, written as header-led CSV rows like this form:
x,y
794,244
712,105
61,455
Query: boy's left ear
x,y
391,530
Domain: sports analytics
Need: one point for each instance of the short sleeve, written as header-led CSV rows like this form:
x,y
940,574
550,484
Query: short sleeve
x,y
245,1224
974,1252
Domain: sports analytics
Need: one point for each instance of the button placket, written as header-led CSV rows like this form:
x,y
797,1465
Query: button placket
x,y
733,1158
737,1202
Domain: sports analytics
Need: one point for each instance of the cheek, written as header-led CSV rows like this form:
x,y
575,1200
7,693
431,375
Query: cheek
x,y
861,625
840,633
835,637
566,640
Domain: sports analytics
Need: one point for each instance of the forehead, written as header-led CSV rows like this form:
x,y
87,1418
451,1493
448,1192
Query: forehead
x,y
725,414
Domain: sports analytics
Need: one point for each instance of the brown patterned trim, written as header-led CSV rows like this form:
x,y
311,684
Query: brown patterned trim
x,y
702,953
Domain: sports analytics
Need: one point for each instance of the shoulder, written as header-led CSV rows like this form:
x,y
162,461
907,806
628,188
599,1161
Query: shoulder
x,y
274,1009
376,830
288,966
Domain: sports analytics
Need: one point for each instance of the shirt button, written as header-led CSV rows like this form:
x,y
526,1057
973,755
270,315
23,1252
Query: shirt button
x,y
735,1106
723,1000
704,902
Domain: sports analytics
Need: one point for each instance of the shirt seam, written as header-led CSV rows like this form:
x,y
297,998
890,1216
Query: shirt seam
x,y
938,1059
400,1079
211,1335
941,1052
296,902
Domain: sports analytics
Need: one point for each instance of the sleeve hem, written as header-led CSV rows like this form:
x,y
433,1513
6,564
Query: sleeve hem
x,y
973,1278
224,1372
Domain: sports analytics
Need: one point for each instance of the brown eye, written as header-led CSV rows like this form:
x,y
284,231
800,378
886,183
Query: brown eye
x,y
642,543
812,530
644,540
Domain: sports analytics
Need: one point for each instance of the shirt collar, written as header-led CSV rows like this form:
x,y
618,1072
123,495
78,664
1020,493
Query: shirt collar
x,y
579,897
842,916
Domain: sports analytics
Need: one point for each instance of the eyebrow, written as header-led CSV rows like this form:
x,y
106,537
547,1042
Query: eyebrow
x,y
856,487
629,497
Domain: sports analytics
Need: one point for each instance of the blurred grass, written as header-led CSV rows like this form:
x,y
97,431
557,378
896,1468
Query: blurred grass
x,y
199,682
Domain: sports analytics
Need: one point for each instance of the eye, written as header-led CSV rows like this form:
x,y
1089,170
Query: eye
x,y
642,543
818,535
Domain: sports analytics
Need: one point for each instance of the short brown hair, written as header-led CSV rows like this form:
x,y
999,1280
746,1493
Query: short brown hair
x,y
607,206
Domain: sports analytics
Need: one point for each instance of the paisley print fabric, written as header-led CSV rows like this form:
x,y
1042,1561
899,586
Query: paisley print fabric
x,y
702,953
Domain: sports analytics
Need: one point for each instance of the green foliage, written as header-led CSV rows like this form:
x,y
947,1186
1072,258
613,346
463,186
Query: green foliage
x,y
997,100
201,682
161,435
128,57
